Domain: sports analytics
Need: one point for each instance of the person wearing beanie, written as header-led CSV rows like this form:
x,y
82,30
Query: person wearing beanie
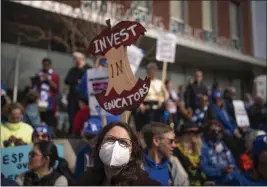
x,y
83,160
41,132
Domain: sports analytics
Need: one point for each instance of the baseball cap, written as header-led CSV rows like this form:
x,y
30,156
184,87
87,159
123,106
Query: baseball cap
x,y
92,126
189,126
216,94
103,61
42,129
259,145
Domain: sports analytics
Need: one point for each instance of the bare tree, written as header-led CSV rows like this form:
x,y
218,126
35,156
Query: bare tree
x,y
75,33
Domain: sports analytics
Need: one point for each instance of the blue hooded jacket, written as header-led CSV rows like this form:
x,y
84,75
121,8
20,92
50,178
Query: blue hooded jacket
x,y
80,161
158,172
213,160
224,119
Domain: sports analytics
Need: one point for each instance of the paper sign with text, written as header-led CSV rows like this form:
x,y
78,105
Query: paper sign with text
x,y
15,159
166,48
123,92
241,116
97,82
135,56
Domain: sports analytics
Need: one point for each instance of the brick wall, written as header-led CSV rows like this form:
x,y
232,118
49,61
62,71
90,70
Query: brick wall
x,y
162,9
223,18
195,14
247,26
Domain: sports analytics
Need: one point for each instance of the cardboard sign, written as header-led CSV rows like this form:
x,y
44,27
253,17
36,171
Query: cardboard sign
x,y
124,92
15,159
241,116
166,48
260,86
135,56
97,82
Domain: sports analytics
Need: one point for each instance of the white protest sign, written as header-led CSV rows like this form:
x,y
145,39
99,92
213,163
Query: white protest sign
x,y
135,56
166,48
97,81
241,116
260,86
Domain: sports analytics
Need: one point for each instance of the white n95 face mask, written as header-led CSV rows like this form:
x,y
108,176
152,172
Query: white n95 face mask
x,y
113,154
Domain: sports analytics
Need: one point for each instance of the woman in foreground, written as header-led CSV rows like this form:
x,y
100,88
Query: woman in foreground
x,y
42,160
117,158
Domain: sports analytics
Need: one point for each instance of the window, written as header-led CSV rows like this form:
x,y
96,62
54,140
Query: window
x,y
141,11
235,22
208,20
177,23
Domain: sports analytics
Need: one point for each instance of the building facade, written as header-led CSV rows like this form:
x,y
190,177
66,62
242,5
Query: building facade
x,y
215,36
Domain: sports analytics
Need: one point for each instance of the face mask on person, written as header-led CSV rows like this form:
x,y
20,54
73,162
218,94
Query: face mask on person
x,y
215,135
113,154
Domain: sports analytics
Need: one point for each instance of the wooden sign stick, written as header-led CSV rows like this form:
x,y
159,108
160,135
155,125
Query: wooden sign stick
x,y
163,79
164,72
124,117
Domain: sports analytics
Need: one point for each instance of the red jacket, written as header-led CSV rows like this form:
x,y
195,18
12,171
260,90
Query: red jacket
x,y
80,118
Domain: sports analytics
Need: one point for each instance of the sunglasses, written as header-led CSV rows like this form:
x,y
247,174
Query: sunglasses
x,y
124,142
170,140
33,154
41,136
216,131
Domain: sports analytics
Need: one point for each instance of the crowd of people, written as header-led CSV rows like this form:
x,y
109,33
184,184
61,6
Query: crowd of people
x,y
189,137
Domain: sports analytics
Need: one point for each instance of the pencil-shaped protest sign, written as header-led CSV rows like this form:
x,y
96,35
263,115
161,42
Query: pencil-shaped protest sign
x,y
124,92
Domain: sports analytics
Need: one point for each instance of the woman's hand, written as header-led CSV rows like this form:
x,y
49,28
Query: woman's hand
x,y
19,141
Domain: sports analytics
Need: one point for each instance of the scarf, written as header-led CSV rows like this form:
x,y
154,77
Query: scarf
x,y
193,158
199,116
220,155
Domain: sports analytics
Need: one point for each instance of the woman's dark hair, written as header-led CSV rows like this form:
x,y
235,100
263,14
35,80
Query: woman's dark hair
x,y
215,85
48,148
129,172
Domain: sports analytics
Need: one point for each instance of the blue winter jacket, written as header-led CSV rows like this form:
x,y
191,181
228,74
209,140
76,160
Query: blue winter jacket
x,y
213,163
224,119
81,159
159,172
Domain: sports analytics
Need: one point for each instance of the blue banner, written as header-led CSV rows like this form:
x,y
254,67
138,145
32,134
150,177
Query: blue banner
x,y
15,159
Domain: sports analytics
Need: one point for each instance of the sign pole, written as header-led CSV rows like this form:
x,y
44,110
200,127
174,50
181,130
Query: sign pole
x,y
124,117
16,78
164,72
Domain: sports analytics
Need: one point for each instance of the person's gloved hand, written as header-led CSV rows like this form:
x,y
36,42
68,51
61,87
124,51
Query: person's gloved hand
x,y
19,141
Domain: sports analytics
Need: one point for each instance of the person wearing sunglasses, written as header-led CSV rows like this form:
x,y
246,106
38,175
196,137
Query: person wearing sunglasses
x,y
41,132
117,160
42,160
217,161
160,164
